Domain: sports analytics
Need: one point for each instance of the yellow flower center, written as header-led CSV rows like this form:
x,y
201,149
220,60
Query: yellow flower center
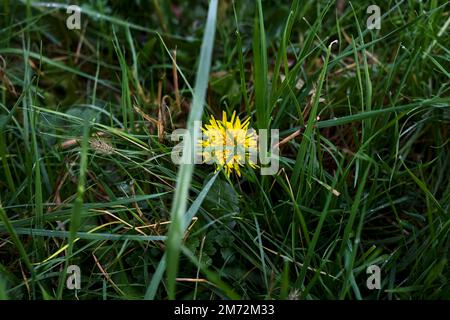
x,y
228,144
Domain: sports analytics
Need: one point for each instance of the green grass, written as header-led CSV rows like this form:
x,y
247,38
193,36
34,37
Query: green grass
x,y
86,175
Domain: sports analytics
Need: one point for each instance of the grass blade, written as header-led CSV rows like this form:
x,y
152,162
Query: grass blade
x,y
186,169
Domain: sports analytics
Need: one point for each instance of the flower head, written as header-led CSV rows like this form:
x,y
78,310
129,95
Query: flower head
x,y
228,144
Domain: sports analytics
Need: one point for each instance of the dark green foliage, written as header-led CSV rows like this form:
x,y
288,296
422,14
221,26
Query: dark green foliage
x,y
365,181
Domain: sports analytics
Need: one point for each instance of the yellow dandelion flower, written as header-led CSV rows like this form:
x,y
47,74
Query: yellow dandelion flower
x,y
229,144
